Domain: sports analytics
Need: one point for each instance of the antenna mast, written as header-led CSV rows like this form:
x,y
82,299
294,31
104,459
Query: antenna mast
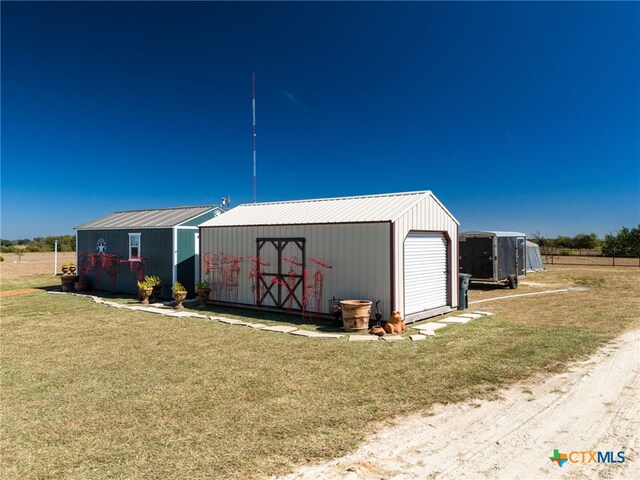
x,y
254,136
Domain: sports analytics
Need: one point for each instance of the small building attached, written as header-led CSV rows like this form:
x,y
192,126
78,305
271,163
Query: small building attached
x,y
401,249
117,250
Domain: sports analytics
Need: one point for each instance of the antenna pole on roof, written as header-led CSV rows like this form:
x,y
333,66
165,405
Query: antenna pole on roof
x,y
254,136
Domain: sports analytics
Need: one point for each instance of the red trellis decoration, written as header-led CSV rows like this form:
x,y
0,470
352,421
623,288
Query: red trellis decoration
x,y
255,274
223,272
213,266
316,287
230,275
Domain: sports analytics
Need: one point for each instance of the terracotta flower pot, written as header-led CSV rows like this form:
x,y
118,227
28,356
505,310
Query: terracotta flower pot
x,y
203,295
144,294
65,270
179,298
355,315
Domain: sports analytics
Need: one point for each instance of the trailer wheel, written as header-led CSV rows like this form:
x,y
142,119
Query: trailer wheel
x,y
513,282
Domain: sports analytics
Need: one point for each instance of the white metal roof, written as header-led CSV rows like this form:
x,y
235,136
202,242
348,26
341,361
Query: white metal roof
x,y
494,233
362,209
155,218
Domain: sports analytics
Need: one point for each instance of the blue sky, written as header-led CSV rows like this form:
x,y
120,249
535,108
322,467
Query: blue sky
x,y
518,116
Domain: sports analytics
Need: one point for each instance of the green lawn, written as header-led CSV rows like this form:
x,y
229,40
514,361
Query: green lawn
x,y
95,392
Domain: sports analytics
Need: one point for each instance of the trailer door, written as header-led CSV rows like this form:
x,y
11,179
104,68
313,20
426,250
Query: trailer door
x,y
425,272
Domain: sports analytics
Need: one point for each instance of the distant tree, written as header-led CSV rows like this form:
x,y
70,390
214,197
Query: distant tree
x,y
625,242
20,252
586,241
535,237
564,242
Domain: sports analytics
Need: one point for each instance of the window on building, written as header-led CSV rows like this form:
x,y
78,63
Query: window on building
x,y
134,246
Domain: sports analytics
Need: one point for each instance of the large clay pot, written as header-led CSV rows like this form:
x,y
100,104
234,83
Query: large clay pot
x,y
179,298
355,315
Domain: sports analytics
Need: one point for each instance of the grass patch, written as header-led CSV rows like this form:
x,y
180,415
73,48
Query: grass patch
x,y
596,281
95,392
31,281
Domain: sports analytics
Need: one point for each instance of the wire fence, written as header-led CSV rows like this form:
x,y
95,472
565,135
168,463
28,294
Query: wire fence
x,y
591,260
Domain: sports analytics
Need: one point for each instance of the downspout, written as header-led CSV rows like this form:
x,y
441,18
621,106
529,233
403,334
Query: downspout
x,y
392,267
174,276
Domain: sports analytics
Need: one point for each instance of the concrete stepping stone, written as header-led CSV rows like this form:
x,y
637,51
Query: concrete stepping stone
x,y
418,337
484,314
392,338
363,338
115,305
228,321
430,326
243,324
280,328
161,311
458,319
326,335
179,314
472,316
257,326
304,333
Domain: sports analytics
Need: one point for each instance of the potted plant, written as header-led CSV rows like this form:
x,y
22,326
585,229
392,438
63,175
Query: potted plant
x,y
72,268
179,294
204,289
144,290
65,268
156,285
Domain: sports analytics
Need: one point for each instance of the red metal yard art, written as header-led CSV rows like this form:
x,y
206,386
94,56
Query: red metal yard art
x,y
255,274
316,287
213,270
230,274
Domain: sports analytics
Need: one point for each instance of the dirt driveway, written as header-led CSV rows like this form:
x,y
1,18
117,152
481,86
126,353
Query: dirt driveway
x,y
594,406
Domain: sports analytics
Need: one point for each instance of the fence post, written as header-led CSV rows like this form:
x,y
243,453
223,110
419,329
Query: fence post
x,y
614,261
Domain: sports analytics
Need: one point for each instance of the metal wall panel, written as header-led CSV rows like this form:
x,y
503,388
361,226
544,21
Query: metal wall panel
x,y
359,254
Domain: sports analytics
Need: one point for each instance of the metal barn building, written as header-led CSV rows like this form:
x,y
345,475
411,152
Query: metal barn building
x,y
401,249
117,250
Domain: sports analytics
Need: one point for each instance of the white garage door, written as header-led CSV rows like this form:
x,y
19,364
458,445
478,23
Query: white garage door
x,y
425,272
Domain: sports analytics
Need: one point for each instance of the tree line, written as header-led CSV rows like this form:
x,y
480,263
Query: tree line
x,y
624,243
66,243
